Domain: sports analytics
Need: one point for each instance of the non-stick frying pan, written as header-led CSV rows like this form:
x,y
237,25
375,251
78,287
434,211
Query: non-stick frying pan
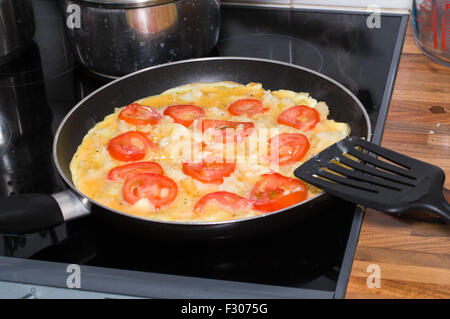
x,y
34,212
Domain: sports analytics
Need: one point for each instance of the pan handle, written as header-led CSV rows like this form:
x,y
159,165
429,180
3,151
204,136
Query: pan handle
x,y
28,213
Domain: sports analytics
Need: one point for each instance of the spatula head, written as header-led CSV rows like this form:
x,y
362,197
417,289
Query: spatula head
x,y
392,182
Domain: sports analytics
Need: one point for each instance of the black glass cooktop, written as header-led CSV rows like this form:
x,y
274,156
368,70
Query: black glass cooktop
x,y
41,86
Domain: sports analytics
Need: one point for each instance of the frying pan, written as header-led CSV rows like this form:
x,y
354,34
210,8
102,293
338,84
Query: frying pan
x,y
35,212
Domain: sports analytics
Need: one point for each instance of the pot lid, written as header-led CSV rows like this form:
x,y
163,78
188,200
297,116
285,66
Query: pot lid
x,y
124,3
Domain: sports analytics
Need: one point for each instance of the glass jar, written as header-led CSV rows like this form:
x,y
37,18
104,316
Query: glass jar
x,y
431,22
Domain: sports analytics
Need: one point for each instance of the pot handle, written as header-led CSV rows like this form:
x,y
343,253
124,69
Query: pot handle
x,y
28,213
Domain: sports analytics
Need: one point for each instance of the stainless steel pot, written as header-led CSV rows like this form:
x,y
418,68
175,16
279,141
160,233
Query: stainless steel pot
x,y
16,27
116,37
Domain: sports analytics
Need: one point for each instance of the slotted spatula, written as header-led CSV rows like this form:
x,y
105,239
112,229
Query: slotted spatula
x,y
393,183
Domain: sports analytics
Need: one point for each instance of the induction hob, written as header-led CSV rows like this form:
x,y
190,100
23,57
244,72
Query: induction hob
x,y
310,260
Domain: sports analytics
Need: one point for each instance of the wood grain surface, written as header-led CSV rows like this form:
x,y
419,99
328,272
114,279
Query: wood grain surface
x,y
413,256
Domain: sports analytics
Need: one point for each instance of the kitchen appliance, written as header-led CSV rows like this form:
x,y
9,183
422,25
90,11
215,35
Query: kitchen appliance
x,y
346,170
16,27
431,21
37,212
114,38
311,259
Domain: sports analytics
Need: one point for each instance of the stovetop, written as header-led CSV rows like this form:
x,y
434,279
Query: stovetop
x,y
40,87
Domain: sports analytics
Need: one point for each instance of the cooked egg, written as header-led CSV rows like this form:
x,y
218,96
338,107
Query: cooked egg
x,y
176,144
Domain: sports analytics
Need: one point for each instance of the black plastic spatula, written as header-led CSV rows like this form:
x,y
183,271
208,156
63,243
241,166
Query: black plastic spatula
x,y
392,182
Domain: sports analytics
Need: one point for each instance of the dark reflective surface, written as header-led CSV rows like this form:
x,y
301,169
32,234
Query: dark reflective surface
x,y
274,47
40,88
306,255
338,45
25,127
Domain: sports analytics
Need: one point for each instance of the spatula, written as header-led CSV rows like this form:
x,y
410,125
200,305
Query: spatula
x,y
392,182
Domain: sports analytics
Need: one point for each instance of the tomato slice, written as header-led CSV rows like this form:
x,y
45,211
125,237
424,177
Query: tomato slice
x,y
275,191
227,131
184,114
292,147
246,106
301,117
159,190
138,114
121,173
129,146
226,200
209,172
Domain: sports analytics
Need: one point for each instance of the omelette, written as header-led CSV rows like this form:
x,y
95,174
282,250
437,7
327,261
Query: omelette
x,y
205,152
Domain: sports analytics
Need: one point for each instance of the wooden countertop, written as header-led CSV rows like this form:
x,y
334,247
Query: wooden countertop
x,y
413,256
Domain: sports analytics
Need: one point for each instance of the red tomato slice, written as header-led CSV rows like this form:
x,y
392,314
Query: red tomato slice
x,y
121,173
138,114
269,193
226,200
292,148
301,117
209,172
246,106
184,114
129,146
228,131
159,190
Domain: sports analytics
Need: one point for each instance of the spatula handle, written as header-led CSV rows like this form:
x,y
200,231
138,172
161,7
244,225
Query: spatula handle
x,y
446,193
443,208
430,215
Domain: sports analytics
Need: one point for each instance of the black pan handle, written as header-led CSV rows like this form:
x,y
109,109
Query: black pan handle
x,y
28,213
